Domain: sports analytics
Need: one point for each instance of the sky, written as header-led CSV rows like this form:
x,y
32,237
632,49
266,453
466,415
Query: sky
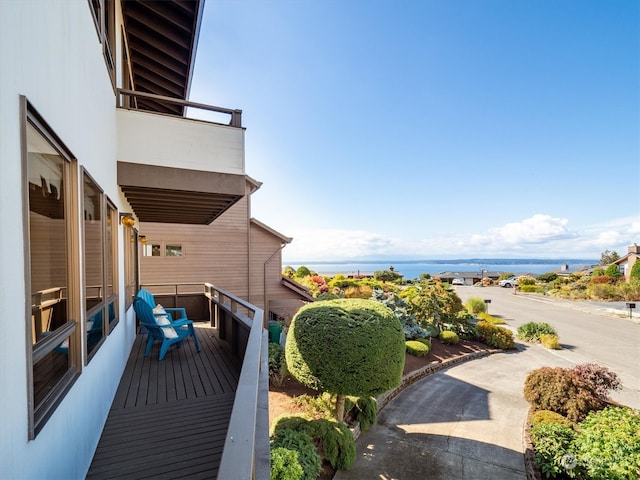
x,y
433,129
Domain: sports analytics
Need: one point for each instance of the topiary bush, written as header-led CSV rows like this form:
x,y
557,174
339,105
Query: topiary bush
x,y
475,305
601,379
447,336
416,348
285,465
547,416
562,391
346,347
550,341
495,336
302,443
531,331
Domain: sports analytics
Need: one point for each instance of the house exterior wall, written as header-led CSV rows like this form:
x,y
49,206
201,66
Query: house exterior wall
x,y
215,253
50,53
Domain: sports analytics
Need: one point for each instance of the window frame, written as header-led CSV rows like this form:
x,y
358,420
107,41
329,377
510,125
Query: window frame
x,y
39,414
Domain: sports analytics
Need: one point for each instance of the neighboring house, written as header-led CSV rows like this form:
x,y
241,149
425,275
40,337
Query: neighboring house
x,y
236,252
470,278
625,264
93,144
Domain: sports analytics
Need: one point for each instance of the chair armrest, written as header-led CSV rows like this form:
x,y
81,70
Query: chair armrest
x,y
181,323
182,311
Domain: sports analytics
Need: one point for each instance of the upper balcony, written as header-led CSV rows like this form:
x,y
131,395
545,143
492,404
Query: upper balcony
x,y
175,169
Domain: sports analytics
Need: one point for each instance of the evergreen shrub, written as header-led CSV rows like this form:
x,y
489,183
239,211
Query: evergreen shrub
x,y
550,341
416,348
495,336
302,443
531,331
562,391
366,410
547,416
327,339
447,336
285,465
475,305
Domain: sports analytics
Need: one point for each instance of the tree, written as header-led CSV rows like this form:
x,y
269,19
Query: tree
x,y
607,257
613,271
635,271
302,271
346,347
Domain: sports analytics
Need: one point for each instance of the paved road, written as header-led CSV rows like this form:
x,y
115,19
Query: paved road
x,y
466,422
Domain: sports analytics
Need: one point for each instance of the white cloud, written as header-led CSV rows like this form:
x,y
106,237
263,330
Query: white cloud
x,y
539,236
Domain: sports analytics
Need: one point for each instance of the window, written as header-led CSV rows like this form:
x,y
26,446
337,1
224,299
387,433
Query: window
x,y
104,17
51,252
130,264
100,270
151,250
173,250
156,250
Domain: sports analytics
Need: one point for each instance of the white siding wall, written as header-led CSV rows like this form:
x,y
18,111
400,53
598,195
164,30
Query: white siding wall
x,y
49,52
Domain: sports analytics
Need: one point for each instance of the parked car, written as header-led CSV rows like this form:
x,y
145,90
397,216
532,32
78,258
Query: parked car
x,y
509,282
457,281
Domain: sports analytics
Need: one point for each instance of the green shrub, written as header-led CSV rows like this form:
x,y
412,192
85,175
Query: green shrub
x,y
447,336
416,348
495,336
492,320
562,391
475,305
635,271
302,443
285,465
530,289
547,277
550,341
601,379
320,406
346,347
607,444
525,280
426,341
531,331
302,271
365,410
547,416
551,442
613,271
333,438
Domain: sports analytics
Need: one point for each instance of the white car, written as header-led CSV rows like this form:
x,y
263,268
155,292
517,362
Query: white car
x,y
457,281
509,282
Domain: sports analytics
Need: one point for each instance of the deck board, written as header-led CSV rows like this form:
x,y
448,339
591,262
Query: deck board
x,y
169,419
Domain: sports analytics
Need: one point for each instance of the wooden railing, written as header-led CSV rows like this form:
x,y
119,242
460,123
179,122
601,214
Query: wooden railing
x,y
241,324
236,115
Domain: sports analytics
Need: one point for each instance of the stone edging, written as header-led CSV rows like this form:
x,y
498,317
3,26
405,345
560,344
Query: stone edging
x,y
533,473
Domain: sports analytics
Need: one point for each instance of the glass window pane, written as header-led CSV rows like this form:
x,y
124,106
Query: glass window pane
x,y
151,250
93,243
173,251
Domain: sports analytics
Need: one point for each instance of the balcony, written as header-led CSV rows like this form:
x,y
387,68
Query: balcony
x,y
175,169
193,415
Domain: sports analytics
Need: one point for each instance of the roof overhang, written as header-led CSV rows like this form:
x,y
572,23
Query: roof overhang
x,y
162,38
175,195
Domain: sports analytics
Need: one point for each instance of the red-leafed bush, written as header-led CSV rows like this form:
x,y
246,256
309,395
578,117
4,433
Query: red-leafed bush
x,y
603,279
601,379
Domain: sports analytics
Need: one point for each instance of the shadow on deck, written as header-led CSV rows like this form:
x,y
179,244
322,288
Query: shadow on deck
x,y
169,419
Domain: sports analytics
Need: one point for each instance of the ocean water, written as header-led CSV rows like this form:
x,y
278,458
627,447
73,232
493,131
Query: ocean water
x,y
413,268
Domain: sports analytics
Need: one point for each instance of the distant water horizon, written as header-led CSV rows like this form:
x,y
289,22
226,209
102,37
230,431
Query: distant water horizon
x,y
411,269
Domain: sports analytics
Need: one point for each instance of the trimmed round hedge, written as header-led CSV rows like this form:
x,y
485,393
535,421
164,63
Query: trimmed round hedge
x,y
346,347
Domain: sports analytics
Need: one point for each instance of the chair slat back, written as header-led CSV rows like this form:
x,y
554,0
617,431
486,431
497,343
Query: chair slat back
x,y
147,296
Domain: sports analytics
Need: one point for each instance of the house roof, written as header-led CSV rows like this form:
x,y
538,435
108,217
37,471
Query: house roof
x,y
271,231
297,288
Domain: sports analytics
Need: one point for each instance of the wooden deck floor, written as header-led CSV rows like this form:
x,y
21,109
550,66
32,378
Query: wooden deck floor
x,y
169,419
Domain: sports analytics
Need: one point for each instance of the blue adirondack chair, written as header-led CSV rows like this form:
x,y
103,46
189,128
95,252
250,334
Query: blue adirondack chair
x,y
162,328
147,296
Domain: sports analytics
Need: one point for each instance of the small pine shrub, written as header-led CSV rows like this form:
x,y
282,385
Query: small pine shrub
x,y
366,409
547,416
531,331
302,443
416,348
475,305
495,336
285,465
562,391
601,379
447,336
492,320
550,341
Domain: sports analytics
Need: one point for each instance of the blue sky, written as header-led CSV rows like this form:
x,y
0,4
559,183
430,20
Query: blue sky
x,y
434,128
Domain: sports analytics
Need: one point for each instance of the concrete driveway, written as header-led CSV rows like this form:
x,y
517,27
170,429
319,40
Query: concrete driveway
x,y
465,422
